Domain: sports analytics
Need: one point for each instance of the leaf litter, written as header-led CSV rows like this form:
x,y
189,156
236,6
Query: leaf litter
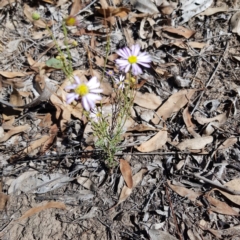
x,y
184,120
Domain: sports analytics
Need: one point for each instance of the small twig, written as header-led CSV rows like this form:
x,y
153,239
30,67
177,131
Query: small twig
x,y
224,188
174,216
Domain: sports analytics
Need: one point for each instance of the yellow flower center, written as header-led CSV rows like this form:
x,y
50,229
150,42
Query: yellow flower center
x,y
82,90
132,59
71,21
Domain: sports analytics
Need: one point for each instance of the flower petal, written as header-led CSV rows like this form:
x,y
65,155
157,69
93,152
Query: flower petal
x,y
136,70
135,50
72,86
144,64
97,90
92,83
127,68
122,53
85,103
77,79
71,97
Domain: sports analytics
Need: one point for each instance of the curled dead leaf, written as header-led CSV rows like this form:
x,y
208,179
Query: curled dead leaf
x,y
155,143
14,131
38,209
126,172
147,100
182,31
188,121
235,23
195,144
125,193
173,104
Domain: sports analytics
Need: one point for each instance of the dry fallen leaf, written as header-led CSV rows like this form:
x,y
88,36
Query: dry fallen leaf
x,y
188,121
216,205
35,144
38,209
187,33
147,100
125,193
216,121
235,23
228,143
233,185
195,144
211,11
13,74
87,183
13,131
185,192
226,233
3,200
220,207
173,104
155,143
121,12
126,172
76,7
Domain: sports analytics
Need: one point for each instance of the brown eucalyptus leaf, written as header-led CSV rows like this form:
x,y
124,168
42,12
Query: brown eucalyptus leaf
x,y
155,143
3,200
38,209
235,23
188,121
125,193
13,74
13,131
185,192
195,144
147,100
35,144
226,233
76,7
173,104
16,98
220,207
182,31
228,143
211,11
233,185
126,172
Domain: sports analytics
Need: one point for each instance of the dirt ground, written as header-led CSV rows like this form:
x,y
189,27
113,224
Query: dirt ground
x,y
183,142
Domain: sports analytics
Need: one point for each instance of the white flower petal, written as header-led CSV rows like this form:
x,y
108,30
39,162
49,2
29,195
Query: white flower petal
x,y
71,97
136,70
93,97
121,53
85,103
77,79
135,50
97,90
144,64
127,68
72,86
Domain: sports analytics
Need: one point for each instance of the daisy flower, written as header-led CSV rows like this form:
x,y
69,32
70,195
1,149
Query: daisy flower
x,y
120,82
88,92
132,58
110,73
95,115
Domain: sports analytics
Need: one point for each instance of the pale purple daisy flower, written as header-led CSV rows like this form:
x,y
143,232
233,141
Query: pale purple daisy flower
x,y
132,58
120,82
95,115
88,92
